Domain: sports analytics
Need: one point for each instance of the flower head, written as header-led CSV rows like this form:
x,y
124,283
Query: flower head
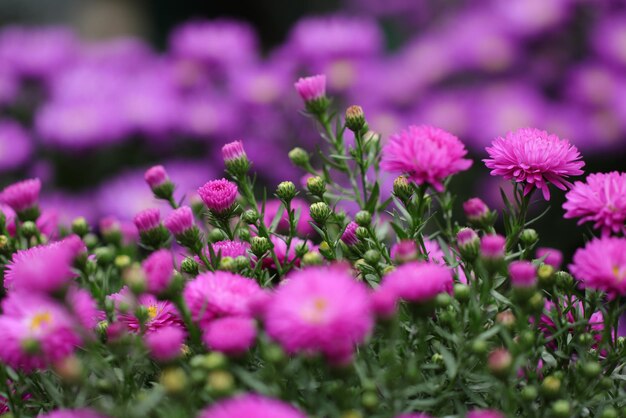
x,y
232,249
553,256
272,207
218,195
418,282
147,219
320,310
159,313
165,343
14,138
404,250
230,335
601,199
251,406
601,265
72,413
36,332
235,158
156,176
22,195
179,220
475,209
427,155
523,274
311,88
218,294
349,234
492,246
535,158
84,307
159,269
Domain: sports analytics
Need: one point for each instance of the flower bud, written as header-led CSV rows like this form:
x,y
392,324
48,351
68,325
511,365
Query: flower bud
x,y
349,234
550,387
468,243
250,216
563,279
286,191
189,266
220,382
523,274
312,258
216,235
313,91
299,157
122,261
545,273
159,182
371,257
536,302
492,247
174,380
241,262
355,118
402,188
259,246
320,212
70,369
29,229
363,218
506,319
529,237
219,196
529,393
479,347
591,369
461,292
476,210
104,255
370,400
561,409
80,226
362,233
316,186
609,412
235,158
227,264
500,362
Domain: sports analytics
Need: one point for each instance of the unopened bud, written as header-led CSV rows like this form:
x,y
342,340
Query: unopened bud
x,y
174,380
250,216
402,189
189,266
363,218
500,362
286,191
80,226
320,212
312,258
299,157
529,237
355,118
259,246
316,186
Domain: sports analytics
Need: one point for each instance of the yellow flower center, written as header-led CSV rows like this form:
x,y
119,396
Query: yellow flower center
x,y
619,274
314,312
152,311
40,320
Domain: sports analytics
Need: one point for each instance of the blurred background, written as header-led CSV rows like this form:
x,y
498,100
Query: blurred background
x,y
94,91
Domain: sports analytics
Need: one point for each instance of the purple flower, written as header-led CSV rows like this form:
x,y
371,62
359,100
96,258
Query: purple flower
x,y
251,406
230,335
22,195
349,234
147,219
180,220
15,145
475,209
218,195
156,176
417,282
523,274
233,151
159,270
311,88
553,256
601,265
165,343
492,246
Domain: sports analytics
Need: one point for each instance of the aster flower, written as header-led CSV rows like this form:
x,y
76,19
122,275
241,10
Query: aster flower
x,y
22,196
72,413
492,247
475,209
160,313
535,158
349,234
159,270
553,256
156,176
282,254
601,265
180,220
165,343
251,406
484,413
404,250
235,158
84,307
218,195
36,332
300,206
418,282
312,88
231,249
45,268
230,335
218,294
15,145
413,416
523,274
321,310
147,219
601,199
427,155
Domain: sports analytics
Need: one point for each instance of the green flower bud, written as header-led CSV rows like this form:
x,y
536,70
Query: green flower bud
x,y
104,255
479,347
250,216
561,409
564,280
443,300
529,393
362,233
550,387
274,353
371,257
260,245
609,412
29,229
363,218
80,226
320,212
227,264
90,240
241,262
189,266
437,358
299,157
591,369
312,258
220,382
216,235
402,188
545,274
461,292
529,237
244,234
355,118
174,380
135,279
286,191
316,186
370,400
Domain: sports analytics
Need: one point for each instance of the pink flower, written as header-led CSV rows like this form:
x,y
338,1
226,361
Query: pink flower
x,y
418,282
165,343
536,158
427,155
553,256
84,307
300,206
160,313
575,311
320,310
218,195
156,176
349,234
179,220
72,413
45,268
601,199
280,249
232,249
484,413
251,406
413,416
403,251
475,209
233,151
21,195
230,335
523,274
601,265
147,219
492,246
36,332
218,294
159,270
311,88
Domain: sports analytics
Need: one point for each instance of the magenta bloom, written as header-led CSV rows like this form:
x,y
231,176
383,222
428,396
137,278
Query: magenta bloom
x,y
15,144
232,249
282,254
147,219
230,335
405,250
466,236
36,332
349,234
311,88
418,282
484,413
300,206
159,270
45,268
21,195
84,307
218,195
523,274
215,295
492,246
475,209
535,158
426,154
180,220
553,256
165,343
601,199
251,406
160,313
233,151
156,176
320,310
601,265
413,416
72,413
